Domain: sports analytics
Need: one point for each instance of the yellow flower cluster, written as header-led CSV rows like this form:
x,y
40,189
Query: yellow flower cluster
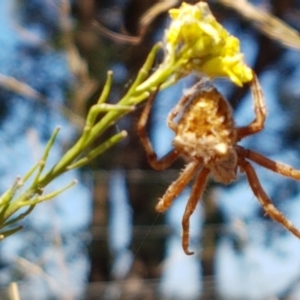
x,y
201,44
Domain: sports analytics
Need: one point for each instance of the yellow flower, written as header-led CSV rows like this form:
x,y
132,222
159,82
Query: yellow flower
x,y
197,42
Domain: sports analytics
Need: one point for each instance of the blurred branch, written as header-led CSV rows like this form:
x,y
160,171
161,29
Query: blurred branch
x,y
31,38
13,291
33,269
146,20
270,25
76,63
25,90
85,85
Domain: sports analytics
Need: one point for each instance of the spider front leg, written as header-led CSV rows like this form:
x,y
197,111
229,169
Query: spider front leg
x,y
264,200
175,189
169,158
196,193
196,88
176,110
260,112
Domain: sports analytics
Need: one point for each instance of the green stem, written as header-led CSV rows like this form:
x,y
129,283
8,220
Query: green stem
x,y
138,92
42,162
98,150
106,89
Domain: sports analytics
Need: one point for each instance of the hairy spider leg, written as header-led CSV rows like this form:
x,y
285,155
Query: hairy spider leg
x,y
177,186
170,157
267,163
175,111
195,196
183,101
260,112
263,198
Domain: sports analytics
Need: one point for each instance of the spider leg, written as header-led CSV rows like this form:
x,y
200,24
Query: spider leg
x,y
264,200
175,111
196,193
195,89
260,112
177,186
169,158
267,163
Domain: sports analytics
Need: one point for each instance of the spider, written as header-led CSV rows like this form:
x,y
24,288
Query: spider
x,y
206,137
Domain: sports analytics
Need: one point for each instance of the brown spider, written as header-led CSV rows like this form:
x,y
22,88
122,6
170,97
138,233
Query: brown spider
x,y
206,137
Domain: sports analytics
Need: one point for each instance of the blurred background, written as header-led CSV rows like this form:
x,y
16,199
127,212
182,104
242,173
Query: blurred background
x,y
102,239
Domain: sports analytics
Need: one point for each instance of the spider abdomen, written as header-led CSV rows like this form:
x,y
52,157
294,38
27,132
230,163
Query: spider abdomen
x,y
206,130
